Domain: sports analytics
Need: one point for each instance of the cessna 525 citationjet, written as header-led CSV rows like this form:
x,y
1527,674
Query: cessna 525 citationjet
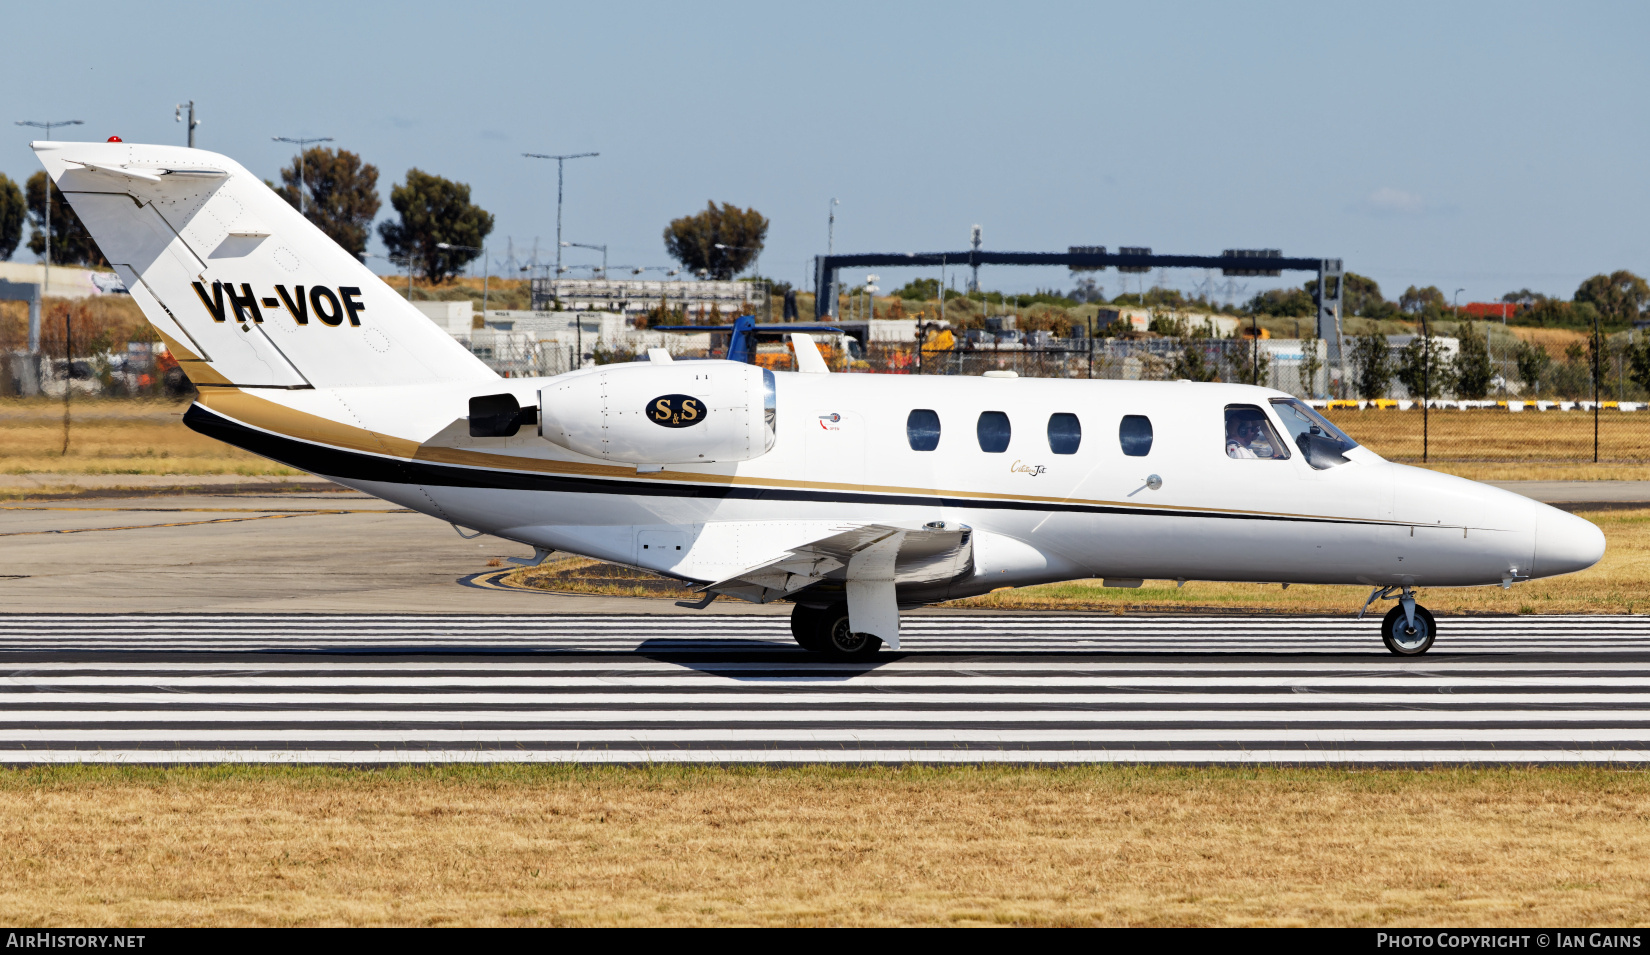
x,y
851,496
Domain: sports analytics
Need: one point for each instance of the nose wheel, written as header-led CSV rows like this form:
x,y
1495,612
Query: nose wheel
x,y
1405,638
1408,629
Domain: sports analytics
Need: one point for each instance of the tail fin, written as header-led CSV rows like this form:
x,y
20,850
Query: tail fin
x,y
244,289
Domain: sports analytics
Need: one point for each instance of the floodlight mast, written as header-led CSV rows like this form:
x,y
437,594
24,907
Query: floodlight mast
x,y
561,162
48,202
300,143
485,272
177,117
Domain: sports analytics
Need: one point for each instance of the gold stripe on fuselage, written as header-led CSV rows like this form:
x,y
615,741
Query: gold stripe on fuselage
x,y
277,418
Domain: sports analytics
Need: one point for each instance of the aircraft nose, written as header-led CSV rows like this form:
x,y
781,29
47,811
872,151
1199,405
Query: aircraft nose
x,y
1565,543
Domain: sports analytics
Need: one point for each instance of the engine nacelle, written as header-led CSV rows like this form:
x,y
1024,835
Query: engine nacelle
x,y
657,413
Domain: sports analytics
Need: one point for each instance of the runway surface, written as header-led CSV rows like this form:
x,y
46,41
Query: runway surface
x,y
366,689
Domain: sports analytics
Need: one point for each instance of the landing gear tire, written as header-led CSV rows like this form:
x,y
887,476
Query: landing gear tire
x,y
1404,640
841,641
807,627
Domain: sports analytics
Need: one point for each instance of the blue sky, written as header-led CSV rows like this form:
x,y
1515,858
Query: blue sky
x,y
1485,146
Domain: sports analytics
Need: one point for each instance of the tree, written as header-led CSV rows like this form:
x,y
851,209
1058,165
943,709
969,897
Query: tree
x,y
71,243
920,290
341,195
1620,297
12,213
1638,364
1283,303
718,242
1414,301
1557,313
1473,371
1250,365
1189,364
435,210
1533,362
1360,295
1159,297
1310,365
1411,369
1373,361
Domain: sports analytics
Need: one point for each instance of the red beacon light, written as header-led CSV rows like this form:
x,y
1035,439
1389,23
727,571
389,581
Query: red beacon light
x,y
114,139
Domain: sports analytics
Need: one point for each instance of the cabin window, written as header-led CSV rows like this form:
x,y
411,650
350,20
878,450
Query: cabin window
x,y
1065,433
1322,444
922,429
1250,435
993,431
1135,435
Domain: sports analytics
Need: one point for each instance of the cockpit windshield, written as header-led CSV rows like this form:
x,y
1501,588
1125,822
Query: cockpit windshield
x,y
1322,444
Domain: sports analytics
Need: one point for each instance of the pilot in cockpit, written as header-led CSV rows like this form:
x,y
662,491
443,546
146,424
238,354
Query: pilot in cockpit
x,y
1247,435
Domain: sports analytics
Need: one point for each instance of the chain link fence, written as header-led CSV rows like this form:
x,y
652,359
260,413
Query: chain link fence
x,y
1567,427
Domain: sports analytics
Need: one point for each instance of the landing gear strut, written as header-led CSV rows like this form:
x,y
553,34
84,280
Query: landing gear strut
x,y
1409,628
827,631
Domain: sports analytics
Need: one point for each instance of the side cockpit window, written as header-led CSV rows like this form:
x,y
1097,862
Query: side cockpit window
x,y
1322,444
1250,435
1135,435
922,429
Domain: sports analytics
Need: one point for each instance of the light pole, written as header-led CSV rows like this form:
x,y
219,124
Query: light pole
x,y
561,161
830,248
581,245
485,272
406,260
756,250
300,143
48,128
1426,382
871,291
578,323
177,117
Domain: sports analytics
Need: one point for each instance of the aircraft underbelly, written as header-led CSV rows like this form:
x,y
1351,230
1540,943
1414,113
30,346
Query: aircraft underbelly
x,y
1161,545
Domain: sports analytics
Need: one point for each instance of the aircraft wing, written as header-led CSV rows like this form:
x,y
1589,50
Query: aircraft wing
x,y
892,552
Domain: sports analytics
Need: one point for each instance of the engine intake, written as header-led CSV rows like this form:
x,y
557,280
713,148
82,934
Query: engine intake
x,y
655,414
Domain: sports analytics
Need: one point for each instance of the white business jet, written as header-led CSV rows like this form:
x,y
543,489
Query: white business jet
x,y
851,496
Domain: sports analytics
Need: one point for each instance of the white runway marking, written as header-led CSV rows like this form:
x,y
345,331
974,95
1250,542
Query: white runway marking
x,y
1046,689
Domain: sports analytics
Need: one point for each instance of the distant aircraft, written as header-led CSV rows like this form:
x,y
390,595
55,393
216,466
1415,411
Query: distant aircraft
x,y
851,496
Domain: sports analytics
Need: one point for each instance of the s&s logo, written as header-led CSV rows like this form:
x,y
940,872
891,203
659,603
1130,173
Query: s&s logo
x,y
676,411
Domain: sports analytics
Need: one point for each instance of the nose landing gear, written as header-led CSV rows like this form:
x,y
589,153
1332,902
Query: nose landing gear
x,y
1408,629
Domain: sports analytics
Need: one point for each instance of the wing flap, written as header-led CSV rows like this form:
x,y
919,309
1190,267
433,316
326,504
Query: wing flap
x,y
909,553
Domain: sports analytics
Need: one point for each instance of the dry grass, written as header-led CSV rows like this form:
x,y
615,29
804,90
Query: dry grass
x,y
817,845
569,574
115,436
1620,583
1552,340
1509,440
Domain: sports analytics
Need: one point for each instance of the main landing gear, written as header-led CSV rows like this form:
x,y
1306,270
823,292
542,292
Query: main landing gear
x,y
1409,628
827,631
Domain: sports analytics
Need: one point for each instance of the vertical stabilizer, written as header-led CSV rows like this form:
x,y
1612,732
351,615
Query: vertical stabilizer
x,y
245,290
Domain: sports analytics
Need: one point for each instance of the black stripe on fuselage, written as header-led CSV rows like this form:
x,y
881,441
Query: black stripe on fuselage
x,y
353,465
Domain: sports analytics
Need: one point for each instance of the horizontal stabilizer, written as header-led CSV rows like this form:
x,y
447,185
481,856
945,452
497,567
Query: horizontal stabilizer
x,y
243,288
